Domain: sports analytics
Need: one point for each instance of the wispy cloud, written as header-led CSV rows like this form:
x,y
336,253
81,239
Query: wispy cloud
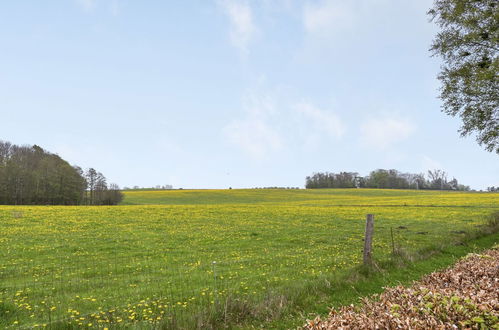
x,y
87,5
328,16
255,134
90,5
382,133
114,7
321,121
273,122
428,163
242,26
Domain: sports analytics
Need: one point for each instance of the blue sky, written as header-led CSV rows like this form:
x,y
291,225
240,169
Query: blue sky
x,y
212,94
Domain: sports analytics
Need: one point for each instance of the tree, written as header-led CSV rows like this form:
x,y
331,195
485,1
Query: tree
x,y
384,179
379,179
437,179
468,43
100,189
31,175
114,195
91,178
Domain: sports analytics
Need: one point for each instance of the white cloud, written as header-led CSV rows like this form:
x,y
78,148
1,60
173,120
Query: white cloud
x,y
329,18
88,5
428,163
255,134
270,124
258,105
382,133
242,27
328,15
278,6
321,120
114,7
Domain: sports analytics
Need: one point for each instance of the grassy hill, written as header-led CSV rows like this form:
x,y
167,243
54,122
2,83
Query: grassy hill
x,y
372,197
167,257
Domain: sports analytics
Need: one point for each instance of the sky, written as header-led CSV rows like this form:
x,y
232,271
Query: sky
x,y
230,93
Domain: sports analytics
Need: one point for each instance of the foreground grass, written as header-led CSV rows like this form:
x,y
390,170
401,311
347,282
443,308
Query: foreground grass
x,y
461,296
316,299
275,251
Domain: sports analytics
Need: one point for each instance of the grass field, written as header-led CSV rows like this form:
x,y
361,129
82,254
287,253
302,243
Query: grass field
x,y
166,256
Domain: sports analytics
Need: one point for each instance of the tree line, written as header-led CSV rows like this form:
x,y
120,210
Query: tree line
x,y
156,187
385,179
32,175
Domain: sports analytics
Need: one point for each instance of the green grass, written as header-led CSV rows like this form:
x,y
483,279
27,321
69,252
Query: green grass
x,y
311,197
319,297
59,264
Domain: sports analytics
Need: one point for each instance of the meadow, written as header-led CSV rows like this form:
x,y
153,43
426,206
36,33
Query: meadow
x,y
166,256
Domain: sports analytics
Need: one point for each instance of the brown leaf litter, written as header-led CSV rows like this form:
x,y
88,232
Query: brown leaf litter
x,y
465,296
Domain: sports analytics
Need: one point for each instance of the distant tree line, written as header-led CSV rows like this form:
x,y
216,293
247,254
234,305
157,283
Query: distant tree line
x,y
275,188
156,187
31,175
98,192
385,179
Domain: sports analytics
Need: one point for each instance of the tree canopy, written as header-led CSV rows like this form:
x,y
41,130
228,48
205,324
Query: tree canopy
x,y
468,44
384,179
31,175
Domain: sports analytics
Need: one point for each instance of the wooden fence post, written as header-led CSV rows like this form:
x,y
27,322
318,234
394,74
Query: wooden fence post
x,y
368,240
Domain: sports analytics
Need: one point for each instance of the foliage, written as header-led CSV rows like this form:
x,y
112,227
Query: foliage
x,y
152,265
31,175
468,43
464,296
384,179
98,192
332,180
